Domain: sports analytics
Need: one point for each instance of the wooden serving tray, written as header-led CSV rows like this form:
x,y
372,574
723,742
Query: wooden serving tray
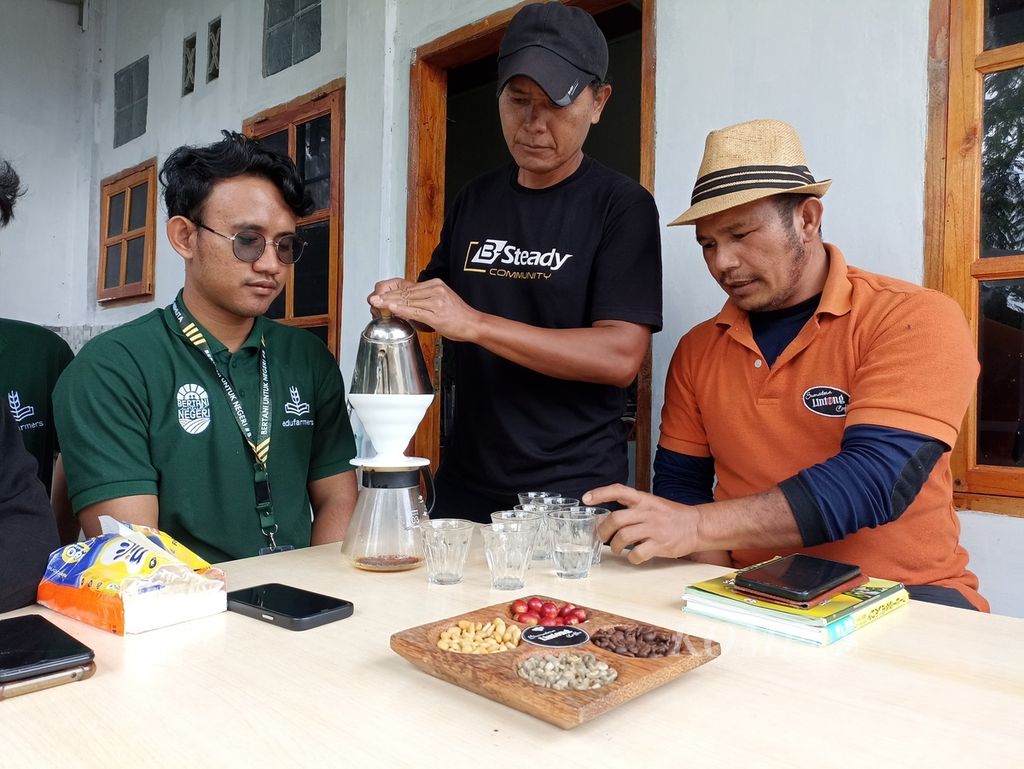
x,y
494,675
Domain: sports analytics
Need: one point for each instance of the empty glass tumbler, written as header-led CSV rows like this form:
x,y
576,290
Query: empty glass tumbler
x,y
508,547
445,547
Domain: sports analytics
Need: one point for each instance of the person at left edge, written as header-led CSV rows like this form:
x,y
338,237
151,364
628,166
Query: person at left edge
x,y
31,359
144,412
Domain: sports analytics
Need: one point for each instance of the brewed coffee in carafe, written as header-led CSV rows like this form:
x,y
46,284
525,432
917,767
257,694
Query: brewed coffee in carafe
x,y
383,535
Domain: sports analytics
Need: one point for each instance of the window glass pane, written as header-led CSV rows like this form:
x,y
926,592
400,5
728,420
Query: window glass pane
x,y
122,126
138,119
277,11
112,274
277,49
137,217
122,88
1004,22
140,78
307,34
1002,164
115,219
131,86
276,309
300,4
311,271
188,66
313,147
320,332
133,262
275,142
213,51
1001,385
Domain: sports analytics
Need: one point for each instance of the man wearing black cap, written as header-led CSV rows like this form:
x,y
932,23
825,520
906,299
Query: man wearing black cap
x,y
547,281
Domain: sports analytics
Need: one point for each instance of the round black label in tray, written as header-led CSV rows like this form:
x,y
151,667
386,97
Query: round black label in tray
x,y
555,637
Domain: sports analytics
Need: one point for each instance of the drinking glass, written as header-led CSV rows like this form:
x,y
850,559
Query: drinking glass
x,y
563,503
542,547
508,546
599,514
572,539
445,547
536,497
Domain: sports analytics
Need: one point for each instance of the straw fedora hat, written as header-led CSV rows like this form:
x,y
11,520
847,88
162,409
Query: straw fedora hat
x,y
748,161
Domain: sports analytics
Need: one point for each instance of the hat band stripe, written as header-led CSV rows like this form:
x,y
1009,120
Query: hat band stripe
x,y
718,191
781,171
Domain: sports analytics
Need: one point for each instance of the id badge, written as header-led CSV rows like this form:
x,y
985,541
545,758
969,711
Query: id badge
x,y
275,549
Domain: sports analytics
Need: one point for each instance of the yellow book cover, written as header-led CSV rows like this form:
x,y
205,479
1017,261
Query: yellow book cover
x,y
720,590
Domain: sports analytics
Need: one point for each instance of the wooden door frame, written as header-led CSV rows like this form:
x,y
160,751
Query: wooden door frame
x,y
428,111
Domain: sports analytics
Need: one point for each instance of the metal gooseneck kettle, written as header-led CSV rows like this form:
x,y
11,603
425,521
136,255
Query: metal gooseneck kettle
x,y
390,393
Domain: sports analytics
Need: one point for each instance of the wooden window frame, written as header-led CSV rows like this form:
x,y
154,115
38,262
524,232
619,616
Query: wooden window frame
x,y
428,84
957,66
109,187
329,99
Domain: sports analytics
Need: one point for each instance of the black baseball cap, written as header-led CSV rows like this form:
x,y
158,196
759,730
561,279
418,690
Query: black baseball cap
x,y
559,47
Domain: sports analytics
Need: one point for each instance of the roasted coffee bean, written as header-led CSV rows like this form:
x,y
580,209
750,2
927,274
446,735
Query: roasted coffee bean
x,y
637,641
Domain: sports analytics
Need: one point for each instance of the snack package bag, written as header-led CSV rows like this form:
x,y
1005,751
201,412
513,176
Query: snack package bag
x,y
125,582
163,540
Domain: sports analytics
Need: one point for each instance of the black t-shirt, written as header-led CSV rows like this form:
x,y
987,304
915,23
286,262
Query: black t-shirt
x,y
583,250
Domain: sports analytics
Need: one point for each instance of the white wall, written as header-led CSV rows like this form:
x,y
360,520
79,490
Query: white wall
x,y
43,101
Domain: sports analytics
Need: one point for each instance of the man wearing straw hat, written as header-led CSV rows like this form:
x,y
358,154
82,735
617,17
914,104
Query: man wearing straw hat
x,y
824,398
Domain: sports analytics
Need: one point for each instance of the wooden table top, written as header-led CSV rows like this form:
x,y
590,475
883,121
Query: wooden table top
x,y
926,686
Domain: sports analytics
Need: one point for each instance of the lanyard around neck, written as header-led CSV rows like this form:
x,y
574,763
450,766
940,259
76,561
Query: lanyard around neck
x,y
260,445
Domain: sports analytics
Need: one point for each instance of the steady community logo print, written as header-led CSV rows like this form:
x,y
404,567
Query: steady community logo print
x,y
502,259
826,401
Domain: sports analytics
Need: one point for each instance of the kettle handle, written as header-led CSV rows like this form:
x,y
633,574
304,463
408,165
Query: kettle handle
x,y
428,478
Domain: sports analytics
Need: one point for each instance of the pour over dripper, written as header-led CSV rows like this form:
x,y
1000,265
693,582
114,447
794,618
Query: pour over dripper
x,y
390,389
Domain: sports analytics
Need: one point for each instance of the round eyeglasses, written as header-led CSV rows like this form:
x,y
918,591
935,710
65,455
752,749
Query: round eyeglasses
x,y
249,245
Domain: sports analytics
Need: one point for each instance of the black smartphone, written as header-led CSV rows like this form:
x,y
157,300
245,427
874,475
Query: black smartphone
x,y
287,606
36,654
797,577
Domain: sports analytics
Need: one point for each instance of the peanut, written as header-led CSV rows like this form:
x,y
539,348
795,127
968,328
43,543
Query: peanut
x,y
478,637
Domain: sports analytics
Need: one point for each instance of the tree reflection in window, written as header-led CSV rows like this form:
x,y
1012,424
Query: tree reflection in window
x,y
1002,164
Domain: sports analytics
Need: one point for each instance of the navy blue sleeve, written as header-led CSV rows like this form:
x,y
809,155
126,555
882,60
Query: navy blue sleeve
x,y
683,478
875,476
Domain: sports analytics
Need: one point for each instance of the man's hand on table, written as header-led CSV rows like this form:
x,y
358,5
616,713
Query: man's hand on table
x,y
654,526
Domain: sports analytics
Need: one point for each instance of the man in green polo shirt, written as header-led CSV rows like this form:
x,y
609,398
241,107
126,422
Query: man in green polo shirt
x,y
221,427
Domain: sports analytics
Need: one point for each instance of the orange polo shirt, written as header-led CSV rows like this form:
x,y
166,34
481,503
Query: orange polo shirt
x,y
878,351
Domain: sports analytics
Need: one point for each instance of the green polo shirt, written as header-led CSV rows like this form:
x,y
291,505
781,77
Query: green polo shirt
x,y
31,359
142,411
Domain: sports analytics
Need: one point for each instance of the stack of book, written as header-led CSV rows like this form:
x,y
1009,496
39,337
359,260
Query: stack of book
x,y
821,624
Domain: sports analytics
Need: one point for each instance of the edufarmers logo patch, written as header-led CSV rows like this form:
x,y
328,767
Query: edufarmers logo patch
x,y
826,401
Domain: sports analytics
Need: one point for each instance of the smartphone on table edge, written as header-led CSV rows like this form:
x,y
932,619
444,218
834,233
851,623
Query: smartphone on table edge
x,y
35,654
287,606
